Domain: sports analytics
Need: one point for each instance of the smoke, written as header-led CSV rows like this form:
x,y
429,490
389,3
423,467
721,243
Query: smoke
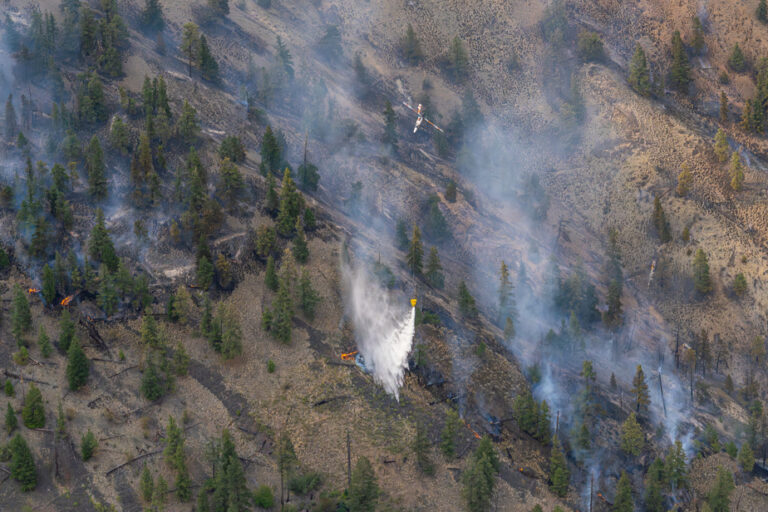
x,y
383,330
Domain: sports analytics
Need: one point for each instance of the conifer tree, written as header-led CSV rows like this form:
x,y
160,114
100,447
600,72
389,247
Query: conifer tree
x,y
623,501
209,68
231,180
458,60
96,169
739,284
146,484
415,253
188,125
640,390
158,496
433,271
282,310
721,145
300,249
724,106
284,58
8,388
450,192
364,488
479,478
271,153
231,334
270,277
291,205
22,464
675,469
736,60
449,433
390,126
190,44
411,46
151,383
219,6
204,273
559,475
698,35
88,445
680,72
421,448
684,181
11,122
21,317
308,297
183,481
11,422
762,11
467,306
33,412
506,294
77,366
720,495
151,17
746,458
44,342
660,221
632,437
100,246
701,279
736,171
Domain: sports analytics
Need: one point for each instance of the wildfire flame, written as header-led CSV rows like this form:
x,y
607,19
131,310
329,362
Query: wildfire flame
x,y
348,356
474,432
34,290
66,300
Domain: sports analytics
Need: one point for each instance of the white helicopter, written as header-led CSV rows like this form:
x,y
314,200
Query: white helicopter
x,y
419,111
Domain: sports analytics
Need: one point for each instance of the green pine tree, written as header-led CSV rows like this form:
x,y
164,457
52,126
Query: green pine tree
x,y
701,278
308,297
291,205
44,342
736,60
623,501
21,317
467,306
33,412
146,484
88,445
49,284
746,458
762,11
96,169
415,253
270,277
390,126
640,390
433,271
300,248
22,464
680,71
77,366
100,247
364,488
11,422
721,145
66,330
449,434
632,437
720,495
559,475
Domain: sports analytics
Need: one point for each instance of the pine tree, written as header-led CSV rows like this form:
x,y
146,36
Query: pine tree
x,y
231,181
421,448
558,470
433,271
684,181
11,422
467,305
506,294
190,44
363,489
724,106
11,123
675,469
8,388
449,433
721,146
698,35
204,273
291,205
146,484
458,60
284,58
44,342
66,331
746,458
271,153
736,60
21,317
100,247
762,11
151,17
95,169
623,501
660,221
701,279
736,171
720,494
411,47
22,464
300,249
390,126
231,334
739,284
209,68
188,125
77,366
33,412
415,253
680,72
183,482
308,297
282,311
158,496
88,445
640,390
151,383
632,437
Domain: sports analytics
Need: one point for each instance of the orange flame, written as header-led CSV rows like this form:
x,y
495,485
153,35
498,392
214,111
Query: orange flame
x,y
66,300
34,290
474,432
348,356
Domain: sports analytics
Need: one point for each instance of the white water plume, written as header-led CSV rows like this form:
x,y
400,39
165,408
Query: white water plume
x,y
383,330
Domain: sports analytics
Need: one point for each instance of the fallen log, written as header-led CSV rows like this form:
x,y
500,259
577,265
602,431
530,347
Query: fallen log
x,y
131,461
28,379
124,370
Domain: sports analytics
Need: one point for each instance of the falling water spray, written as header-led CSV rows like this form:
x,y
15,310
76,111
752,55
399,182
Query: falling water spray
x,y
383,328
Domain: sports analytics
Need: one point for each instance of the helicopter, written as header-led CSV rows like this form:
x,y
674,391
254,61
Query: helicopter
x,y
419,111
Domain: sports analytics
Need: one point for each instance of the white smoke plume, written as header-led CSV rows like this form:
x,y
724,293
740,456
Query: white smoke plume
x,y
383,330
